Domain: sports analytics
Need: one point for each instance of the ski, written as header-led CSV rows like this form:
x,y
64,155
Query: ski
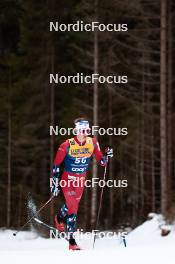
x,y
33,213
44,224
54,229
49,227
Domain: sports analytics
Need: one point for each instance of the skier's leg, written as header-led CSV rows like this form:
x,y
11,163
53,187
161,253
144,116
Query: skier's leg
x,y
72,200
63,211
70,207
60,218
71,224
71,204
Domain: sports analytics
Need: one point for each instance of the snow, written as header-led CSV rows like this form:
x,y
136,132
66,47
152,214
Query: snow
x,y
144,245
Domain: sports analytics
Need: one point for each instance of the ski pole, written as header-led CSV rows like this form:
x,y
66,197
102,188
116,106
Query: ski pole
x,y
124,240
99,209
42,207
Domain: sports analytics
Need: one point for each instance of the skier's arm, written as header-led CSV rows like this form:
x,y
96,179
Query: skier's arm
x,y
102,159
98,153
60,155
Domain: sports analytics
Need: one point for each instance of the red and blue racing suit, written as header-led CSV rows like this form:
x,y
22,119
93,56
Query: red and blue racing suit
x,y
76,157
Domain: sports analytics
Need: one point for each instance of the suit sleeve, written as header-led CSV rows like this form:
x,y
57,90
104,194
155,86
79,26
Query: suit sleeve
x,y
97,151
61,153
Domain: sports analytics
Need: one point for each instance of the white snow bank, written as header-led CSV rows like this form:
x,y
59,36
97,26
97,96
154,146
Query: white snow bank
x,y
144,245
149,233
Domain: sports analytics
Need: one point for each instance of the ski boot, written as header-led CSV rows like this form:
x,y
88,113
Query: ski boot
x,y
73,245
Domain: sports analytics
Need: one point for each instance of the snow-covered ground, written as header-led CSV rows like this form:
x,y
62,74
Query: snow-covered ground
x,y
144,245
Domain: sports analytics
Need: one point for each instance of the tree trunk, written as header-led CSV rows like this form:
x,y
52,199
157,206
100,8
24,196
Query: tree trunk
x,y
95,121
163,107
142,144
52,122
9,153
170,103
153,193
111,200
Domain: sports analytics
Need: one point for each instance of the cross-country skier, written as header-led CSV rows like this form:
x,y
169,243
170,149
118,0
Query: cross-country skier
x,y
75,153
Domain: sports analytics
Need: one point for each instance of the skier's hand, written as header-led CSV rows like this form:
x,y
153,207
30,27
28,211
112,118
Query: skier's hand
x,y
104,161
55,190
109,152
54,184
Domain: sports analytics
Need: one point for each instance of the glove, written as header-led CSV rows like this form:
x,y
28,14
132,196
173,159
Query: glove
x,y
54,184
109,152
